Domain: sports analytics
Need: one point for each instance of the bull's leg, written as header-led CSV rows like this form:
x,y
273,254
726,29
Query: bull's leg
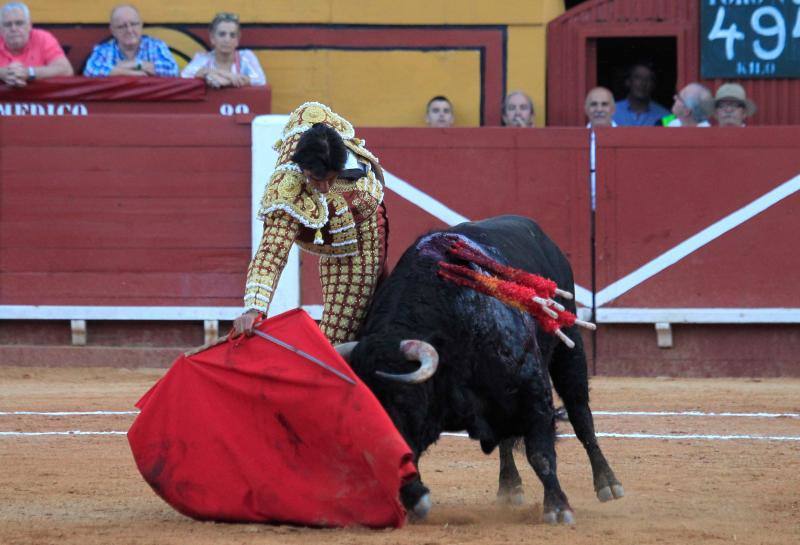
x,y
416,499
541,452
569,374
510,489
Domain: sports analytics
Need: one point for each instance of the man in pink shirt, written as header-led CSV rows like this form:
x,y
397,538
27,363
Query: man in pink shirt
x,y
27,53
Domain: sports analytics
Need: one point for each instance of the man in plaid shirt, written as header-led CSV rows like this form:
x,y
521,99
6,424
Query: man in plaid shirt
x,y
128,52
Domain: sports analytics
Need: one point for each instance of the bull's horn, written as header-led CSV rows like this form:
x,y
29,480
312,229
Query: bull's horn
x,y
422,352
345,349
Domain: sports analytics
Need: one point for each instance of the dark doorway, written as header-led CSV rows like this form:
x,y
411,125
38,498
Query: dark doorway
x,y
615,55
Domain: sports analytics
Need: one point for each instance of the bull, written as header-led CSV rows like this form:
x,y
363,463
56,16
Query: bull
x,y
443,357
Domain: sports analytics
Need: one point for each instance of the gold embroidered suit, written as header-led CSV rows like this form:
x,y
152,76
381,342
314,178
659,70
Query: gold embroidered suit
x,y
347,227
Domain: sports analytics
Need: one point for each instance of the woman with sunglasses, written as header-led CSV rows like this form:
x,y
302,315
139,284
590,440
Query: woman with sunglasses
x,y
225,65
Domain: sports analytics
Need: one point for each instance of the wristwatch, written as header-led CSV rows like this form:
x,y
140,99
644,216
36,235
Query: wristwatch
x,y
138,65
31,73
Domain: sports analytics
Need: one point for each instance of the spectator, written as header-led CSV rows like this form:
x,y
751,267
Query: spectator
x,y
638,108
27,53
224,65
599,108
439,112
731,105
128,52
692,107
518,110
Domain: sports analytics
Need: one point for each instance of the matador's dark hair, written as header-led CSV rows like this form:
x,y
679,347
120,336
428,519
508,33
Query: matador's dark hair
x,y
320,151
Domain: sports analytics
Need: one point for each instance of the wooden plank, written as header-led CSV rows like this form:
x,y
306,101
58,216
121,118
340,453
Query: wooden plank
x,y
143,160
43,287
164,233
112,260
87,183
196,209
124,131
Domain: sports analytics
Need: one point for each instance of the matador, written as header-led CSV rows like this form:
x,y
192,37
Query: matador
x,y
343,221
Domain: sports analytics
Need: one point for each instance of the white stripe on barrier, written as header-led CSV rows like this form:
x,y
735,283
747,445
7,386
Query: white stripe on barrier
x,y
699,315
696,241
430,205
64,312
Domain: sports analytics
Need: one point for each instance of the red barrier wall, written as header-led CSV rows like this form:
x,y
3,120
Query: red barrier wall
x,y
659,188
137,210
79,96
482,173
124,210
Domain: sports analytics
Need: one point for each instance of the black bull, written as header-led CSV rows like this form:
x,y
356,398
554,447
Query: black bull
x,y
494,363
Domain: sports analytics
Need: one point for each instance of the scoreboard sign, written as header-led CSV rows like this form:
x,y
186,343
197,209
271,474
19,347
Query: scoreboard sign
x,y
750,38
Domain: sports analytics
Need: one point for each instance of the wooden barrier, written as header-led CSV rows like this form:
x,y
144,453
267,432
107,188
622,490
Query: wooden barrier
x,y
154,213
79,96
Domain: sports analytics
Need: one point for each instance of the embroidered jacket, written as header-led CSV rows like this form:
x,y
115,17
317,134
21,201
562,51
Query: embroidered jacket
x,y
292,211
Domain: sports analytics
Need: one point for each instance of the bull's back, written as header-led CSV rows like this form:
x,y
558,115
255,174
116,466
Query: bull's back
x,y
522,244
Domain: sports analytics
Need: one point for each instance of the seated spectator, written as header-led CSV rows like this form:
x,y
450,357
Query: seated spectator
x,y
439,113
518,110
27,53
731,105
599,108
692,107
128,52
224,65
638,108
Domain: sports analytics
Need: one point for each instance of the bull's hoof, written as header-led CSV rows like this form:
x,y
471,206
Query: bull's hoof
x,y
608,493
556,516
422,508
511,496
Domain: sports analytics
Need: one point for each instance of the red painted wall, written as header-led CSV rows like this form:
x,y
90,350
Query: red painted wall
x,y
135,210
124,210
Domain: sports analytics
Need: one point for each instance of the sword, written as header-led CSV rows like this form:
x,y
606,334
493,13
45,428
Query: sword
x,y
305,355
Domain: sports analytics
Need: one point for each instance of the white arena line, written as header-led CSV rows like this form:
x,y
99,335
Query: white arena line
x,y
66,413
671,436
695,413
595,413
71,432
703,437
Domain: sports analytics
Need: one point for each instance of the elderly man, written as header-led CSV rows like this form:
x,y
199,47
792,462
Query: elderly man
x,y
638,108
692,107
129,52
27,53
439,113
518,110
599,108
731,105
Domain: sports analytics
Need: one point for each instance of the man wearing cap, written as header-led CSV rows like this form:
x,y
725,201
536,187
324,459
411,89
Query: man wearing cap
x,y
731,105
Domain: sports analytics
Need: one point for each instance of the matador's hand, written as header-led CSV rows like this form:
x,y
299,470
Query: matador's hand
x,y
244,323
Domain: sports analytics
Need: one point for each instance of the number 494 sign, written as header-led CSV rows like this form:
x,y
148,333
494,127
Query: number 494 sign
x,y
750,38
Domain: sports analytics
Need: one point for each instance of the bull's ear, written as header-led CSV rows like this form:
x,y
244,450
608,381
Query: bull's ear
x,y
345,349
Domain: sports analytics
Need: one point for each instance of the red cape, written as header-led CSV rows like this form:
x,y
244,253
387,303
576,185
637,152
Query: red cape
x,y
250,431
